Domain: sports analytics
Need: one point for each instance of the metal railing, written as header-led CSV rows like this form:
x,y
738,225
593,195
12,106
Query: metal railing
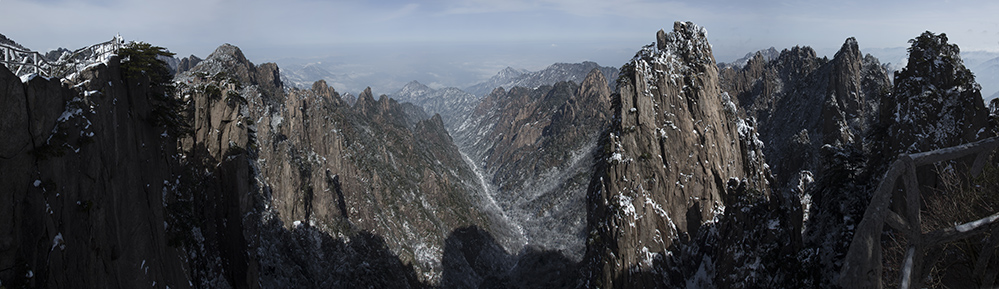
x,y
24,62
862,267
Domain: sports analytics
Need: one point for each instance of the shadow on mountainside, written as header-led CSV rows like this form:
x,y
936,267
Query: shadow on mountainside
x,y
305,257
474,259
227,249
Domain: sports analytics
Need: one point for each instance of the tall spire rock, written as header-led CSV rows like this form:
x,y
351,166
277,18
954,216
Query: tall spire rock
x,y
675,148
845,82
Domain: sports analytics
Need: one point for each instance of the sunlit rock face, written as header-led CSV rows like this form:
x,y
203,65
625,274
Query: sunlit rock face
x,y
675,147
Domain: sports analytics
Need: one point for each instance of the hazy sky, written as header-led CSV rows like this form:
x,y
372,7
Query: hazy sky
x,y
489,34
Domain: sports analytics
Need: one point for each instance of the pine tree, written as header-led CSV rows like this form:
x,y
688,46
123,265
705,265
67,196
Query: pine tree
x,y
140,62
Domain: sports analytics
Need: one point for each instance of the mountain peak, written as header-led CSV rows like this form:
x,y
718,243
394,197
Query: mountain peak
x,y
228,52
324,90
509,72
414,91
849,47
687,40
415,85
934,87
596,83
229,59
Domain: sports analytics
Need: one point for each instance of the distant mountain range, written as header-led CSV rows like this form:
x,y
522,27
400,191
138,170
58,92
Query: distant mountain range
x,y
303,75
509,78
455,104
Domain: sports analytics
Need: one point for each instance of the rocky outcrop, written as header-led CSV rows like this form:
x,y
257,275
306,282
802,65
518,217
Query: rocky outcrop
x,y
676,155
535,150
832,126
186,64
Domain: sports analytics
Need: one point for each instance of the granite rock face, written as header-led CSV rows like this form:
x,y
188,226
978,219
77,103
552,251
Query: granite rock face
x,y
84,171
344,170
187,63
264,187
675,147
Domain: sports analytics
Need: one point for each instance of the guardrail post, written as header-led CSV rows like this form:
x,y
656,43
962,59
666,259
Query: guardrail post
x,y
914,256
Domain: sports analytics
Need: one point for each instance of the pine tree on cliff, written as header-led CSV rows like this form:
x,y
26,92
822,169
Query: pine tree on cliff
x,y
142,67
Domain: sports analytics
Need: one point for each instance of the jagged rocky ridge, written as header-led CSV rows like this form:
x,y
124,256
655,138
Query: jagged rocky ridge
x,y
345,170
271,187
815,116
831,163
505,76
768,54
786,95
279,187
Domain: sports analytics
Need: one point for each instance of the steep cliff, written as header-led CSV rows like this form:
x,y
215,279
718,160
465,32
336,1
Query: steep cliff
x,y
676,155
234,183
85,168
